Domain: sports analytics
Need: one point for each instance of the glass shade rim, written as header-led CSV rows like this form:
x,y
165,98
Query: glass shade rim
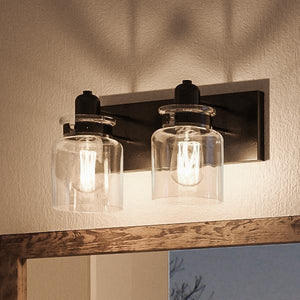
x,y
98,119
75,137
197,127
187,108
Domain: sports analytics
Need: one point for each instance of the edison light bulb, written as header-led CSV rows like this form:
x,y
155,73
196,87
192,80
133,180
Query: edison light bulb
x,y
87,170
186,164
88,164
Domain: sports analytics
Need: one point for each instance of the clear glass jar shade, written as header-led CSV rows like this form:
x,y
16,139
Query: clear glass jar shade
x,y
187,165
87,174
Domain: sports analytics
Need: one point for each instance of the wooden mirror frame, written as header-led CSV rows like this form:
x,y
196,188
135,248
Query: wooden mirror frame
x,y
15,249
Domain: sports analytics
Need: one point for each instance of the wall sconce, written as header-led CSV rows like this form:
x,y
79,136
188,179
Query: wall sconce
x,y
87,163
187,154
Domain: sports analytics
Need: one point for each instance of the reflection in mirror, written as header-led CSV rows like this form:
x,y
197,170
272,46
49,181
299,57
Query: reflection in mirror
x,y
142,276
269,272
232,273
61,278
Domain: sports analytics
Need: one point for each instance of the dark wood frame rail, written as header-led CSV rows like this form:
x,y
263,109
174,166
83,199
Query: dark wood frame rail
x,y
15,249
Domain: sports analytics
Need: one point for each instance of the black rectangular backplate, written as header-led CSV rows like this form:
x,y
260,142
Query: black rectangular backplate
x,y
239,118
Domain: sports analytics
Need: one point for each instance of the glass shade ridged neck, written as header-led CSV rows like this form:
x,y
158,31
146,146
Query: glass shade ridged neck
x,y
194,108
101,119
87,124
187,114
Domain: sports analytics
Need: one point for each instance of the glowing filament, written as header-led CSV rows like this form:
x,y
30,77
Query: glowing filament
x,y
106,174
87,170
188,162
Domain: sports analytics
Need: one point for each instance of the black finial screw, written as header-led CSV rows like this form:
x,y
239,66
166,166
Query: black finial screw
x,y
187,93
87,104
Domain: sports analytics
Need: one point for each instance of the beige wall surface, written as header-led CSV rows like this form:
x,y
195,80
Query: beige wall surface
x,y
66,278
51,50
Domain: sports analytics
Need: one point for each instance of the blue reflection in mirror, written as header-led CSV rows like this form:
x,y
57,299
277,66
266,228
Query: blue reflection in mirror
x,y
269,272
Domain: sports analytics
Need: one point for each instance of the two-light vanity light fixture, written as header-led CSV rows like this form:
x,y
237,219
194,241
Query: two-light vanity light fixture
x,y
186,153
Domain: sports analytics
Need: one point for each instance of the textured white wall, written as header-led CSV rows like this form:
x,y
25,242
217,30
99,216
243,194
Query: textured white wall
x,y
51,50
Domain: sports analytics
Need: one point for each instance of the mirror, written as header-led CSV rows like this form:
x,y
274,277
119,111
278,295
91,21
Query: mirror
x,y
109,277
235,273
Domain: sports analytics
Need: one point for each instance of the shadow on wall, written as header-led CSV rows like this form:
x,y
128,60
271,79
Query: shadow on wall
x,y
181,25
